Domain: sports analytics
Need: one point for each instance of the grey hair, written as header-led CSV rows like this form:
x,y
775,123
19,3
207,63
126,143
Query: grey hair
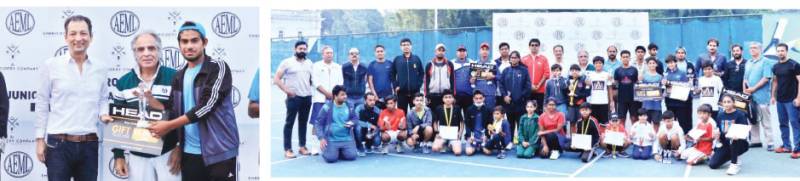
x,y
354,50
326,47
151,33
758,44
583,51
680,48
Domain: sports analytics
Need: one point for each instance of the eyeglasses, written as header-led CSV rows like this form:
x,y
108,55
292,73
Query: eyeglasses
x,y
534,45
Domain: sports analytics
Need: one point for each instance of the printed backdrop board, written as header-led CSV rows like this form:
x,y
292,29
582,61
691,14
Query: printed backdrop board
x,y
592,31
32,35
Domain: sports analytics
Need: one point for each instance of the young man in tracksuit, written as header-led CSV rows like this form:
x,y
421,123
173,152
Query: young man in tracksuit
x,y
335,123
368,121
406,74
156,79
439,77
202,109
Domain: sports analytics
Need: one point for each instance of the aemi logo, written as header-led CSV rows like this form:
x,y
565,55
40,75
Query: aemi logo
x,y
20,22
226,24
171,57
18,164
124,23
236,97
61,51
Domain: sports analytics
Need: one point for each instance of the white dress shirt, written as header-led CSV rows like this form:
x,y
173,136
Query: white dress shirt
x,y
327,76
68,101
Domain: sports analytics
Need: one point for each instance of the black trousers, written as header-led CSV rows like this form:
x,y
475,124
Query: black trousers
x,y
728,152
193,168
296,107
600,112
436,100
404,100
627,107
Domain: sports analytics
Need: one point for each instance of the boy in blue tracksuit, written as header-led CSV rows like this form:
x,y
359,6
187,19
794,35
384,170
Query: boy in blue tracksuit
x,y
335,124
476,117
577,91
557,88
498,134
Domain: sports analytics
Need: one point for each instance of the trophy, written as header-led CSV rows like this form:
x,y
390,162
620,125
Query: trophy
x,y
142,123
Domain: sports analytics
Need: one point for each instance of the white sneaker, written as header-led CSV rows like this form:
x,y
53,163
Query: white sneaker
x,y
733,169
554,155
385,149
398,147
314,150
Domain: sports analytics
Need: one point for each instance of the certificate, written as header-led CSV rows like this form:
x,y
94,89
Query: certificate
x,y
123,133
582,141
614,138
647,92
696,133
738,131
448,132
680,91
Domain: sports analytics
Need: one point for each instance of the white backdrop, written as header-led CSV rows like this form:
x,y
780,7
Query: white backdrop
x,y
31,35
593,31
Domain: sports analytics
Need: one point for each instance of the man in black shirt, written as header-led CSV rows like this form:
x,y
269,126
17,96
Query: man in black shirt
x,y
734,70
784,93
624,78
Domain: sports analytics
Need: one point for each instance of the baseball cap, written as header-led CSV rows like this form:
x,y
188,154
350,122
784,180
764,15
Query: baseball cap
x,y
461,48
484,44
440,45
190,25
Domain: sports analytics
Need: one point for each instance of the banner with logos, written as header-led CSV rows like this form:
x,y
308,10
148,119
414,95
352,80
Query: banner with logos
x,y
34,34
592,31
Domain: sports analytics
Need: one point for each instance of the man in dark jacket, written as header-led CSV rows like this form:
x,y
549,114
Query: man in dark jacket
x,y
406,75
355,77
201,106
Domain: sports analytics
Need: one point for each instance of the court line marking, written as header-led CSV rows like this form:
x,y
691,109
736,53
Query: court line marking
x,y
587,165
480,165
287,160
687,171
445,161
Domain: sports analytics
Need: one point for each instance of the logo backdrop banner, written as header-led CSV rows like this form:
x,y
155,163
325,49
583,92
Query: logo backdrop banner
x,y
592,31
32,35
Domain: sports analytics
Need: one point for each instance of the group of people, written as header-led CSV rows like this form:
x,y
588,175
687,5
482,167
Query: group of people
x,y
537,108
200,135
